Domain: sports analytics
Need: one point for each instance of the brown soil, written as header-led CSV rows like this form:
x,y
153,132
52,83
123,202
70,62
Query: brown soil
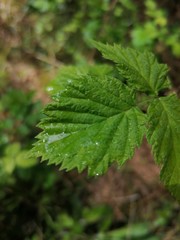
x,y
25,76
135,184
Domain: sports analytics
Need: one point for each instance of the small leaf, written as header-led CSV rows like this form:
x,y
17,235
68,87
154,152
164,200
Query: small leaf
x,y
142,70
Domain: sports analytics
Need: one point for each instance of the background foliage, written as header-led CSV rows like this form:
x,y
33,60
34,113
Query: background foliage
x,y
36,38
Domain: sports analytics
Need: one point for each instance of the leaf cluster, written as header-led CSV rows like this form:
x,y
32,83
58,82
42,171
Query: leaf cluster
x,y
100,117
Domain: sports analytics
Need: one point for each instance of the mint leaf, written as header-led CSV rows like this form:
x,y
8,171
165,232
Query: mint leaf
x,y
90,124
142,70
164,136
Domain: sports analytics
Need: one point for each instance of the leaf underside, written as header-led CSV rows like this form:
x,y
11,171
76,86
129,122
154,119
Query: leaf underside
x,y
90,124
164,136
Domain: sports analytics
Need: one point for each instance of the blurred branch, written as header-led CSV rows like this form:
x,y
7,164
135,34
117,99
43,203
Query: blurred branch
x,y
50,61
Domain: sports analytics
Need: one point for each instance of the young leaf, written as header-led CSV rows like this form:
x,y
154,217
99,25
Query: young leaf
x,y
92,122
164,136
142,70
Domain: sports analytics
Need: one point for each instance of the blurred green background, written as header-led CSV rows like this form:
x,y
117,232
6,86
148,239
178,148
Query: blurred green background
x,y
37,38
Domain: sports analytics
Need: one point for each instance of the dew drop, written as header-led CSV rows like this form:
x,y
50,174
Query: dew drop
x,y
56,137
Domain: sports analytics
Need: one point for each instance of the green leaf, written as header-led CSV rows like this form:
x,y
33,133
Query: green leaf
x,y
95,118
71,73
142,70
16,157
164,136
90,124
9,160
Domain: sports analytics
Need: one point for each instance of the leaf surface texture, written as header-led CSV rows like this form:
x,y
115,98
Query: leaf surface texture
x,y
141,69
164,136
90,124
